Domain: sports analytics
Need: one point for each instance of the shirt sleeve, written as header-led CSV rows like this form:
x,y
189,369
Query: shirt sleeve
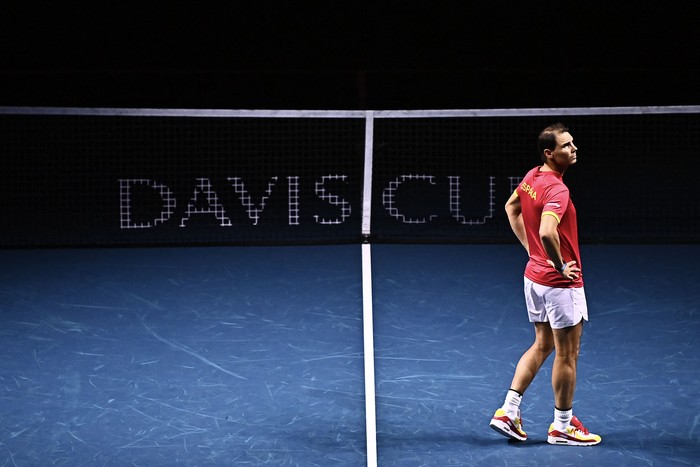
x,y
555,202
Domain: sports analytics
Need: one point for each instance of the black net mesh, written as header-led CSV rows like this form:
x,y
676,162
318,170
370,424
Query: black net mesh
x,y
133,179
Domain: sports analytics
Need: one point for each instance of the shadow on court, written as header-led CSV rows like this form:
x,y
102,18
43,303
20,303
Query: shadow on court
x,y
254,356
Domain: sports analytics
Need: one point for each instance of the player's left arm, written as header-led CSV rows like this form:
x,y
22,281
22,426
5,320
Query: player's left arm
x,y
549,235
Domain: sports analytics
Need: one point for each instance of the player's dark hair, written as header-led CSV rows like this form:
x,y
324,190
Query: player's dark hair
x,y
548,138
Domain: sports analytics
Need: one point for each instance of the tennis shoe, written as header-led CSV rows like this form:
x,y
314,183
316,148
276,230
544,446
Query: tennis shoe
x,y
575,435
508,427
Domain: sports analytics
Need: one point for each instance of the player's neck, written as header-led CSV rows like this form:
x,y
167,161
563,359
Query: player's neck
x,y
549,167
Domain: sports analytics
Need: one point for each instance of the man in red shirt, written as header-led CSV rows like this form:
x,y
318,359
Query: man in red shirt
x,y
543,219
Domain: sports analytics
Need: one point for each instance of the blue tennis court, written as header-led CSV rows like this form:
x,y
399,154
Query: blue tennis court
x,y
254,356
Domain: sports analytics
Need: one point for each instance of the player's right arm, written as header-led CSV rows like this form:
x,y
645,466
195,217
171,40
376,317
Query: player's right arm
x,y
514,212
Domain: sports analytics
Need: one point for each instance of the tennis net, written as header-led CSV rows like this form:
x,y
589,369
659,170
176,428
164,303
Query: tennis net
x,y
76,176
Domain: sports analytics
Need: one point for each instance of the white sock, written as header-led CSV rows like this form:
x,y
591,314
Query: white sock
x,y
562,418
512,403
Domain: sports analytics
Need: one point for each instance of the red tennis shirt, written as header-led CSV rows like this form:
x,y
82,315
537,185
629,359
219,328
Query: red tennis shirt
x,y
544,194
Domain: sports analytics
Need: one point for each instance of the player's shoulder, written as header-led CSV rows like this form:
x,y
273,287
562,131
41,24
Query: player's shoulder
x,y
555,187
531,174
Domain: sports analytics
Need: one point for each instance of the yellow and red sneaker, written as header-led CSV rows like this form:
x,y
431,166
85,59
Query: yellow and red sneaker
x,y
508,427
575,435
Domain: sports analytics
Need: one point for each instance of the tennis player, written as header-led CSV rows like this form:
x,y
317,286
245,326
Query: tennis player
x,y
543,219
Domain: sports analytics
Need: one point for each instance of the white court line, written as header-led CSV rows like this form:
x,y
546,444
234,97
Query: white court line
x,y
368,332
367,314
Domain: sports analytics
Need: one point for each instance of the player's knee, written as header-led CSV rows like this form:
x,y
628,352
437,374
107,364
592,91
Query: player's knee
x,y
568,355
544,346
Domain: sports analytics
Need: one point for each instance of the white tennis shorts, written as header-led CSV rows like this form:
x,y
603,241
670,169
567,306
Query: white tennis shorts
x,y
559,306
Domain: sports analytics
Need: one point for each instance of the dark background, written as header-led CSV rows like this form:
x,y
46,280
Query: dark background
x,y
348,55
